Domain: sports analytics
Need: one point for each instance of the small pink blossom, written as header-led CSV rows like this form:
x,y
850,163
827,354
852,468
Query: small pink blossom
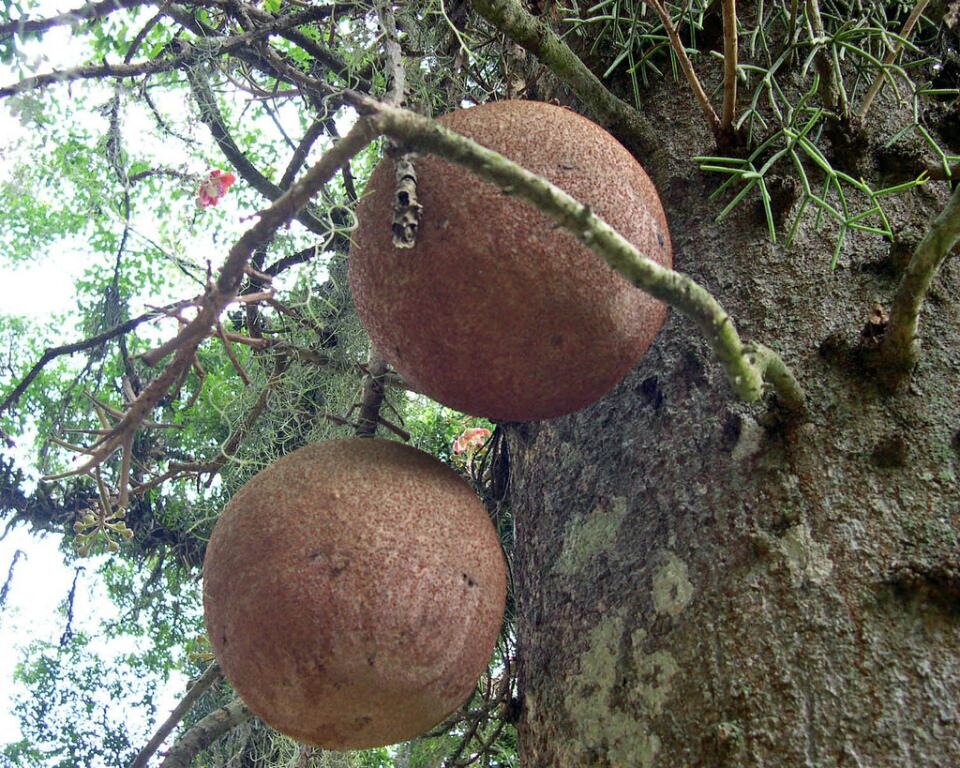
x,y
470,440
214,187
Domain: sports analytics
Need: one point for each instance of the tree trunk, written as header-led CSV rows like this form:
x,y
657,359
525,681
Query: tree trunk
x,y
697,589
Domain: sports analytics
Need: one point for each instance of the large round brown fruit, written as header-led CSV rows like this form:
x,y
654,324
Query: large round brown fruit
x,y
497,311
353,592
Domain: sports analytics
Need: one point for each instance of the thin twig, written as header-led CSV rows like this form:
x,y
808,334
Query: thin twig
x,y
729,64
83,13
52,353
224,291
678,48
188,54
899,349
891,56
208,678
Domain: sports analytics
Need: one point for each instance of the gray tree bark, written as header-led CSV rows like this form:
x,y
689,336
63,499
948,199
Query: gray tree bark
x,y
697,589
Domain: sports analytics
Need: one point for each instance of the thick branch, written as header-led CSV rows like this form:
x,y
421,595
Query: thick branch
x,y
900,349
536,36
299,156
208,678
748,369
205,733
373,383
83,13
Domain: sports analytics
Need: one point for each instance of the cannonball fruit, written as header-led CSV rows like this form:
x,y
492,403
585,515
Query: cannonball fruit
x,y
353,592
498,311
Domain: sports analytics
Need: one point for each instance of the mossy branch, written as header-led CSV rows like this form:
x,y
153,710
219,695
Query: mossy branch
x,y
538,38
208,678
749,368
900,350
205,733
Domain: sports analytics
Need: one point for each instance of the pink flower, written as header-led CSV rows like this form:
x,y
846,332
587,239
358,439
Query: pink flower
x,y
470,440
214,187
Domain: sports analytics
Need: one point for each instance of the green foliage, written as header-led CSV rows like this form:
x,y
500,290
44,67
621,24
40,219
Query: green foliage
x,y
77,711
796,106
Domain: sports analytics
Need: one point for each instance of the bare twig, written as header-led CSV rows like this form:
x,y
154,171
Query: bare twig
x,y
205,733
52,353
208,678
83,13
891,56
5,589
681,52
224,291
899,349
729,64
211,117
188,54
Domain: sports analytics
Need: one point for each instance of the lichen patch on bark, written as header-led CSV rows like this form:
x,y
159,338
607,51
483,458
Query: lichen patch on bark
x,y
672,589
585,538
597,725
806,559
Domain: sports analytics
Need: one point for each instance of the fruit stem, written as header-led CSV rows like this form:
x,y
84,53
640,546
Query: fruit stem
x,y
750,369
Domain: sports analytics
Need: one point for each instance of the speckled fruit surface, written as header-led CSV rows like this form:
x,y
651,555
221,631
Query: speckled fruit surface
x,y
496,311
353,592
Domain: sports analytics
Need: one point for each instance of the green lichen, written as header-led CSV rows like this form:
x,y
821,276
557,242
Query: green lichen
x,y
598,726
585,538
654,673
672,589
617,729
806,559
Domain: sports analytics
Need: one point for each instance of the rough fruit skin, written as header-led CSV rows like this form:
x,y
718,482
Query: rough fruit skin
x,y
353,592
496,311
